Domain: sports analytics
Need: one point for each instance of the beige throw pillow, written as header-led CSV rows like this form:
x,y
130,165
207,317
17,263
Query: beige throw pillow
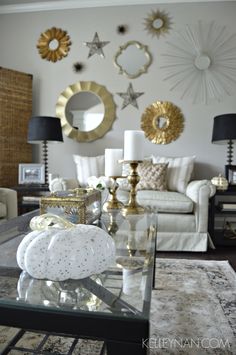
x,y
152,176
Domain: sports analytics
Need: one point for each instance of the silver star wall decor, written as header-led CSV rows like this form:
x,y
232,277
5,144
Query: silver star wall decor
x,y
95,47
130,97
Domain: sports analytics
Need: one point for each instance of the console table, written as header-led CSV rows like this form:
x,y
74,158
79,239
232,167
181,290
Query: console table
x,y
28,196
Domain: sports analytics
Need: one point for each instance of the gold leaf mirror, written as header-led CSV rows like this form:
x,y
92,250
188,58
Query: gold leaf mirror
x,y
162,122
86,110
54,44
158,23
132,59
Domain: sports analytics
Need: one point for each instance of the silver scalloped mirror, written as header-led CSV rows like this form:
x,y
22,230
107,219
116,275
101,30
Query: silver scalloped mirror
x,y
132,59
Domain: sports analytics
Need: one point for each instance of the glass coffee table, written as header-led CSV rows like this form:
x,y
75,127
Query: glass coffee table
x,y
112,306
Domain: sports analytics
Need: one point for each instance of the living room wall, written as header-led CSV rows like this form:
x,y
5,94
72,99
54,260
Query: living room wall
x,y
20,32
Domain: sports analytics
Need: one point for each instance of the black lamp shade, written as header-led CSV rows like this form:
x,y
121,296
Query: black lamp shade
x,y
224,129
44,128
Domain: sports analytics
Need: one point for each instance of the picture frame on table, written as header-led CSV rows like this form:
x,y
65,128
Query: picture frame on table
x,y
232,174
31,174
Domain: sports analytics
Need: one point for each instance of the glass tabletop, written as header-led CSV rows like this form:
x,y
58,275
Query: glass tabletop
x,y
123,290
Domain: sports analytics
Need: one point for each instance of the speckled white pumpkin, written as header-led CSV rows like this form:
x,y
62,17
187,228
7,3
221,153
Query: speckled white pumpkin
x,y
61,254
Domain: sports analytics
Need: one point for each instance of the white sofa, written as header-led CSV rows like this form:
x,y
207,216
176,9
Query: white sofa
x,y
182,209
8,203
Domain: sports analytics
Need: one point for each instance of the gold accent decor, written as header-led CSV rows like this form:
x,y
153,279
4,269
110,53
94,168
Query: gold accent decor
x,y
113,203
126,65
54,44
132,207
109,111
162,122
158,23
78,206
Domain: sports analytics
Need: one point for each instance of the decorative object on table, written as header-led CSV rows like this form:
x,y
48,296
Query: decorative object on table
x,y
102,184
133,145
31,174
122,29
224,131
78,67
96,46
232,175
162,122
200,62
220,182
78,206
93,126
158,23
113,170
54,44
63,294
61,254
133,59
129,97
44,129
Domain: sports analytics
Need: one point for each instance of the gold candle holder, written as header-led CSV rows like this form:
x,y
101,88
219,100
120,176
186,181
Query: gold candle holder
x,y
133,207
113,203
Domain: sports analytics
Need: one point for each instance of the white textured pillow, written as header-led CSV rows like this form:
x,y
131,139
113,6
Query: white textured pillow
x,y
179,171
88,166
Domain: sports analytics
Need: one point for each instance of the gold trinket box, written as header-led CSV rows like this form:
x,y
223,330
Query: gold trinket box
x,y
78,206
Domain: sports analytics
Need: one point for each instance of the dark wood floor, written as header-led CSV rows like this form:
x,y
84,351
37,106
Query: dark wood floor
x,y
220,253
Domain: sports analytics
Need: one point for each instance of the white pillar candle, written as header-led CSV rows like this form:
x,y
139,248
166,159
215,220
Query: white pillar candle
x,y
112,166
133,145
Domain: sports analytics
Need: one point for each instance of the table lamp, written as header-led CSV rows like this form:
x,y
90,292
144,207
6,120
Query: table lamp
x,y
44,129
224,132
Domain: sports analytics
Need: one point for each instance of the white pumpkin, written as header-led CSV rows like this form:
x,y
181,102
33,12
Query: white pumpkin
x,y
61,254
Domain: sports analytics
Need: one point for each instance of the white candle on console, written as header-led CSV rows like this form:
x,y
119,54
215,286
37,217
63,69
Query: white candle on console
x,y
112,166
133,145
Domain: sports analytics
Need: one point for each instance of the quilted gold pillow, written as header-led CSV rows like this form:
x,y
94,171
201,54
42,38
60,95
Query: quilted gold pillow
x,y
152,176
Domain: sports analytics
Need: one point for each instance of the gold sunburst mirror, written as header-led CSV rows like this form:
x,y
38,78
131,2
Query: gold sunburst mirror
x,y
162,122
54,44
158,23
87,111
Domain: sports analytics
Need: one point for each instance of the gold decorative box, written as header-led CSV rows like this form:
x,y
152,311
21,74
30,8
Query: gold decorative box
x,y
78,205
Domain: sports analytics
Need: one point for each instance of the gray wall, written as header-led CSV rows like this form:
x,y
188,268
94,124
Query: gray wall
x,y
19,34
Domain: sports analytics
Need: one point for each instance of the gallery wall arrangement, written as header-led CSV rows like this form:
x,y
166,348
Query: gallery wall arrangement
x,y
164,69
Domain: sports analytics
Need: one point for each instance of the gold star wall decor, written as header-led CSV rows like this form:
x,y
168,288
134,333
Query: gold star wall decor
x,y
130,97
95,47
158,23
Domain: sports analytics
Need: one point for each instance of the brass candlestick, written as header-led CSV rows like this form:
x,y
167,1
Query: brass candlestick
x,y
133,207
113,203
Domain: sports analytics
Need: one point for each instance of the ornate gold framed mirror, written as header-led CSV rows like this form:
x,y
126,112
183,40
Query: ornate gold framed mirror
x,y
86,110
158,23
162,122
133,59
54,44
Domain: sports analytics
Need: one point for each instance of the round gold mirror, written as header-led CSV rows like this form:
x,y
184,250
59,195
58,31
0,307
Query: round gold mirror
x,y
86,110
162,122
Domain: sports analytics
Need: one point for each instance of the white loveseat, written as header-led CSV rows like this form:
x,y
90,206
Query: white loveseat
x,y
8,203
182,209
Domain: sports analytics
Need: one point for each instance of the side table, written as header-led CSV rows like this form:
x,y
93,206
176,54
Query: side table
x,y
222,217
28,196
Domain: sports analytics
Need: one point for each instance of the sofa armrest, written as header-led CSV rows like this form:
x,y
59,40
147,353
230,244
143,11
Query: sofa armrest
x,y
9,197
200,191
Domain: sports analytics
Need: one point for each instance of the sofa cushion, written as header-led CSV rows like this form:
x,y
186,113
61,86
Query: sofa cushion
x,y
179,171
3,210
161,201
152,176
88,166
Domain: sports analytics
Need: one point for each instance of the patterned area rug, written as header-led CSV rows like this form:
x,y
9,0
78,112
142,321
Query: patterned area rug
x,y
193,312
